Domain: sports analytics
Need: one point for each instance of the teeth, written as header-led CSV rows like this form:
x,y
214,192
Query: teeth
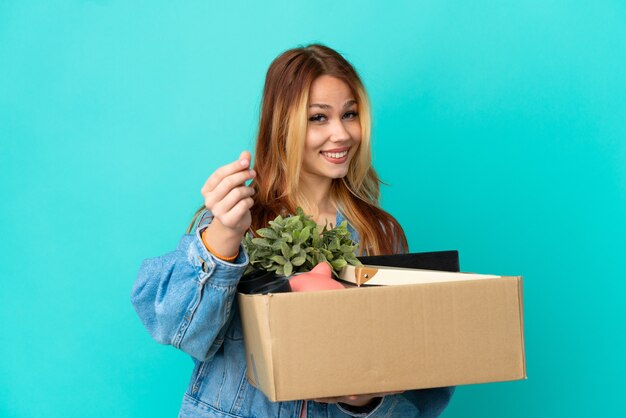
x,y
335,154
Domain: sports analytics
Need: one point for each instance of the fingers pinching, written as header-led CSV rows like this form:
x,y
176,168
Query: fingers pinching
x,y
242,164
226,194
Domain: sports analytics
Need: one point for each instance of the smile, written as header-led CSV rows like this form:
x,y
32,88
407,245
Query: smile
x,y
336,156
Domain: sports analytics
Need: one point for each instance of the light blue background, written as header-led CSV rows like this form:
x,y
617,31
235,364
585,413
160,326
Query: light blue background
x,y
499,126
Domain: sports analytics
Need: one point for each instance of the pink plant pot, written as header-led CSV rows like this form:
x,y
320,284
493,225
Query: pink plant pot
x,y
320,278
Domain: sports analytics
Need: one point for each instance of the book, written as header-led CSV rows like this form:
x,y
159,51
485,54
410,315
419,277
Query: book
x,y
386,276
434,260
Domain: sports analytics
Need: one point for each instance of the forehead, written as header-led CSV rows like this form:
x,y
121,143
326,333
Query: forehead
x,y
329,89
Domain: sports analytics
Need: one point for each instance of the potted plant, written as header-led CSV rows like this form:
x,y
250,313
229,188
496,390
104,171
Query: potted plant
x,y
296,244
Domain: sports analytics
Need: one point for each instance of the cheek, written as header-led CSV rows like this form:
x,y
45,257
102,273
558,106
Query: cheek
x,y
314,140
355,132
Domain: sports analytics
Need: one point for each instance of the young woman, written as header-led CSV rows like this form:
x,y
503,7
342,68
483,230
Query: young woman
x,y
312,151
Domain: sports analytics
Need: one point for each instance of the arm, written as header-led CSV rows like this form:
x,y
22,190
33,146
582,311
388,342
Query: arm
x,y
184,298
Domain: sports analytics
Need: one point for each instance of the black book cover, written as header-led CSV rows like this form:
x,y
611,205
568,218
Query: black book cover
x,y
435,260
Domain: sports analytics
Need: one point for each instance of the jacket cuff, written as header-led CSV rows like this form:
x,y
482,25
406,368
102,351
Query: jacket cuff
x,y
207,263
361,411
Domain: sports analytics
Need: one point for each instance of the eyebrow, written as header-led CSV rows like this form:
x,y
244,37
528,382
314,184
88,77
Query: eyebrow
x,y
348,103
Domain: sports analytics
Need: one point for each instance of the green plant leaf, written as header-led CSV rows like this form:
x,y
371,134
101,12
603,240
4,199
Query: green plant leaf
x,y
298,261
345,248
338,264
305,234
260,242
263,252
287,269
278,259
276,225
316,240
267,233
277,244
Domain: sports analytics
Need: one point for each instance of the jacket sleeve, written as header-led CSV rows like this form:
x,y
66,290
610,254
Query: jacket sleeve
x,y
430,402
185,298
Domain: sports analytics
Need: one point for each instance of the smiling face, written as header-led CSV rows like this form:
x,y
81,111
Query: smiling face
x,y
333,130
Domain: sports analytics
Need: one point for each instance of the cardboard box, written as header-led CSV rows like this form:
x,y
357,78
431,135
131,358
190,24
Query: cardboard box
x,y
384,338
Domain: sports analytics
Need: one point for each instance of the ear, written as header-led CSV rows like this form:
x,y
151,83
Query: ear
x,y
322,269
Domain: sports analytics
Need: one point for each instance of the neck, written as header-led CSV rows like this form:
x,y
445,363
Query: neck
x,y
317,193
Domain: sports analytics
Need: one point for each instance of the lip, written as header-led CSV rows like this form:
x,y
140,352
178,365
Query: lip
x,y
336,149
336,160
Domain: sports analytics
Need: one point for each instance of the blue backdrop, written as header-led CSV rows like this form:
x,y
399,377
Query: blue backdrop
x,y
498,125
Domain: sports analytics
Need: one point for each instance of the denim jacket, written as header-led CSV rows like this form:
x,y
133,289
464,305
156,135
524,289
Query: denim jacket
x,y
187,298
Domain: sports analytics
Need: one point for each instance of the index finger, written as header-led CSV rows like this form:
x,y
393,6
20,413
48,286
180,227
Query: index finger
x,y
243,163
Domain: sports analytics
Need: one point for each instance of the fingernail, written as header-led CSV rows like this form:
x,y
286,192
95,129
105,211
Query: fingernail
x,y
244,162
252,173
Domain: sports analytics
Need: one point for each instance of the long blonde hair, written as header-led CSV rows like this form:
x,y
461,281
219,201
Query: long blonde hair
x,y
280,144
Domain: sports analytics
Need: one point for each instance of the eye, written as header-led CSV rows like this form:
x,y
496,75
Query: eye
x,y
351,115
317,118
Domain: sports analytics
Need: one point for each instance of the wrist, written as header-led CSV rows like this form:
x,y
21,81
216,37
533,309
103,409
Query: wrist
x,y
221,241
214,252
226,232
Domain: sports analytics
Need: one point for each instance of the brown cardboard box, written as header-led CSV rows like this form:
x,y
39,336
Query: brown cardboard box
x,y
384,338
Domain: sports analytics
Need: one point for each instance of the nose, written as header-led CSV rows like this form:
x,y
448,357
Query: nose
x,y
339,133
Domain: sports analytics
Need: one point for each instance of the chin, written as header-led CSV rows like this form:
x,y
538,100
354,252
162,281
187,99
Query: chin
x,y
338,175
